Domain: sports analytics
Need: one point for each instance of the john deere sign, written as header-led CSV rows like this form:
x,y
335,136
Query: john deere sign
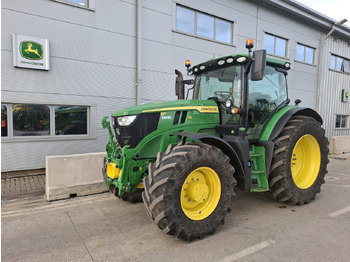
x,y
30,52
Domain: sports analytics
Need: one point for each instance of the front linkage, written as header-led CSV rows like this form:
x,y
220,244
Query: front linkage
x,y
123,172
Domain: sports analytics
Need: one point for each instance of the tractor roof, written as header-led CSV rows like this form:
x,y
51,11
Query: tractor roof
x,y
235,59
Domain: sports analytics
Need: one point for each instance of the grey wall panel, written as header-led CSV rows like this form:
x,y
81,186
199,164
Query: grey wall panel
x,y
70,41
69,77
156,86
157,56
115,16
307,98
157,25
161,6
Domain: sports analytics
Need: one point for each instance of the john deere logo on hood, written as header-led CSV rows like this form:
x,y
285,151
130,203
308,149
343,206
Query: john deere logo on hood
x,y
31,50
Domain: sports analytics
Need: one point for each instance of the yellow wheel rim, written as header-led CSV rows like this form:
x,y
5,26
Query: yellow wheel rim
x,y
200,193
306,161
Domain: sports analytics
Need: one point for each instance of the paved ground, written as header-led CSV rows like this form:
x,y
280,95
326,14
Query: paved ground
x,y
103,228
21,187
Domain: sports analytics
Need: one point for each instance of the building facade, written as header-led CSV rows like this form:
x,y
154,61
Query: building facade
x,y
103,55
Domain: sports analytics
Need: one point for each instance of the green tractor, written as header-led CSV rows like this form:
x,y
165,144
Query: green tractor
x,y
184,158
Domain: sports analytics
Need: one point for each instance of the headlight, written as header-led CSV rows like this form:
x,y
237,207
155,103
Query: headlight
x,y
228,103
126,120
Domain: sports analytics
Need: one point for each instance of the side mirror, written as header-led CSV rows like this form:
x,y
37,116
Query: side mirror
x,y
258,67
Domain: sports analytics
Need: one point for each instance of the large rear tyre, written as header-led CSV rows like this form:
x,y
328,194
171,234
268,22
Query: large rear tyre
x,y
299,162
134,197
188,190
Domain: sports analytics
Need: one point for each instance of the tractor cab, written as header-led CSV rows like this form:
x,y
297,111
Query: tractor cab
x,y
245,98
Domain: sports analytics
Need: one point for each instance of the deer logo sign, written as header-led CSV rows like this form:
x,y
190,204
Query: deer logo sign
x,y
31,50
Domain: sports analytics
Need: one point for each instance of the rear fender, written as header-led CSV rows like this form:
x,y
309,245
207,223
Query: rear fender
x,y
300,111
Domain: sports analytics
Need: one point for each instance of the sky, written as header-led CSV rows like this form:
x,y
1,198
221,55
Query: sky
x,y
336,9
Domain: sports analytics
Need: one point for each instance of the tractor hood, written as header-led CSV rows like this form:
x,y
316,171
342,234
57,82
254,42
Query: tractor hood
x,y
202,106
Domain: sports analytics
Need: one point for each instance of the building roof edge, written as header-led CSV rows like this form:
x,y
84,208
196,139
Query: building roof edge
x,y
299,10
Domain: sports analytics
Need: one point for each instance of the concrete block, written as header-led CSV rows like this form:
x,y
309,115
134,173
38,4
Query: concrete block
x,y
339,145
74,175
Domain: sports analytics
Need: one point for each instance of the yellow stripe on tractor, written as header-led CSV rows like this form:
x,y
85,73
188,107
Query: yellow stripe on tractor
x,y
201,109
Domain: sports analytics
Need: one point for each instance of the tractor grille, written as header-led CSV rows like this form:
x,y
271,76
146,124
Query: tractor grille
x,y
131,135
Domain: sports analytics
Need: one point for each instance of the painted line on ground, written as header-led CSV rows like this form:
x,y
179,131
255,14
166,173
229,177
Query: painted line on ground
x,y
340,212
335,173
248,251
344,186
51,207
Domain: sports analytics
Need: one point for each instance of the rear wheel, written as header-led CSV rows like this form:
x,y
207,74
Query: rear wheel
x,y
188,190
299,163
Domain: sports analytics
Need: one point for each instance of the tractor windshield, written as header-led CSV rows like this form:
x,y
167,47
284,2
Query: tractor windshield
x,y
220,84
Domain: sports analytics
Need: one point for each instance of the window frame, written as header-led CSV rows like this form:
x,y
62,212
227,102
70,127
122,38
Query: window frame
x,y
7,121
195,34
304,59
275,41
347,117
90,4
342,66
91,125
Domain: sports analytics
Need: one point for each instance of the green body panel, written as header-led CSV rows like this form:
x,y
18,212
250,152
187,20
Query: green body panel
x,y
202,117
273,121
257,156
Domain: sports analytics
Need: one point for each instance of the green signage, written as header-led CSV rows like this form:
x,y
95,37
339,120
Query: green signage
x,y
31,50
345,95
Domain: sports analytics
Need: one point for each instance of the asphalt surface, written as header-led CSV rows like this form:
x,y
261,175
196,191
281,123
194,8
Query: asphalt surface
x,y
103,228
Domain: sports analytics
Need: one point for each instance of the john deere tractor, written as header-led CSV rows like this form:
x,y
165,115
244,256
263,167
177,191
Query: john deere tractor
x,y
184,158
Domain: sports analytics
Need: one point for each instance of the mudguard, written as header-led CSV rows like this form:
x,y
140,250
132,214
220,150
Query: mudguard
x,y
282,121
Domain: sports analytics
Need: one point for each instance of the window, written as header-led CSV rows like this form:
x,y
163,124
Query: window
x,y
70,120
3,120
264,98
84,3
80,3
203,25
33,120
305,54
275,45
340,64
341,121
272,89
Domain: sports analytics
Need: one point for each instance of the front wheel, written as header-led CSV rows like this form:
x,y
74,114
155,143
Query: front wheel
x,y
188,190
299,162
